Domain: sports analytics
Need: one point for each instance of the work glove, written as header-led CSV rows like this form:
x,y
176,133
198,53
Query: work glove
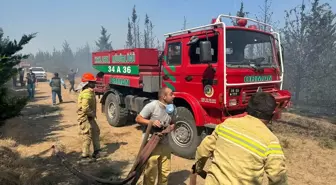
x,y
193,169
201,173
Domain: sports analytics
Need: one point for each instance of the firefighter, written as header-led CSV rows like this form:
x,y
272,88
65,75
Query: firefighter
x,y
55,84
243,148
86,111
158,113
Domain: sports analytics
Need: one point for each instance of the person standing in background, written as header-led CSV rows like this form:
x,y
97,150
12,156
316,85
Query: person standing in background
x,y
71,78
14,80
55,84
29,86
33,83
21,73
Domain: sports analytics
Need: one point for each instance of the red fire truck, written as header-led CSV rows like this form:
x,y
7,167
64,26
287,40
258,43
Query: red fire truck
x,y
212,69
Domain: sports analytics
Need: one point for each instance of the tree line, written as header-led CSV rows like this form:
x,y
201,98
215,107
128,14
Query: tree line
x,y
309,41
308,38
64,59
10,105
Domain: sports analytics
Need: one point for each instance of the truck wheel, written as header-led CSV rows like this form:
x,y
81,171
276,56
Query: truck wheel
x,y
185,138
116,115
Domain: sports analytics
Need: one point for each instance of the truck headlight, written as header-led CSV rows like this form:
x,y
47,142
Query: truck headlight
x,y
234,91
275,94
233,102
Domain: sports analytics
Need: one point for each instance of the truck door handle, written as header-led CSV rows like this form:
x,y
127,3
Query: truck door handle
x,y
165,77
206,81
188,78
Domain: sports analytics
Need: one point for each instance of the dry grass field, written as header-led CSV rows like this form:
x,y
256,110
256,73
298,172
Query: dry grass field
x,y
26,158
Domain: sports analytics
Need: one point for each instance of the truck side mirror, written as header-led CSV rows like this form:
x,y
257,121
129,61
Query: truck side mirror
x,y
205,51
160,59
283,52
282,49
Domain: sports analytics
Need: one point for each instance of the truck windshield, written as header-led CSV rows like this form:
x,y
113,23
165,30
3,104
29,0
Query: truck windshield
x,y
248,49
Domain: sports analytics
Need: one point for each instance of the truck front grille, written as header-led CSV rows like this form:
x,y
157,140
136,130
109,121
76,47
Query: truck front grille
x,y
250,90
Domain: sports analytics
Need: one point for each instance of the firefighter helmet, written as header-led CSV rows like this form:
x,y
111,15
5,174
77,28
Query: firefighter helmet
x,y
88,77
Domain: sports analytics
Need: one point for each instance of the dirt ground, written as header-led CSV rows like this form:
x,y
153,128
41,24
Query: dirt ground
x,y
309,145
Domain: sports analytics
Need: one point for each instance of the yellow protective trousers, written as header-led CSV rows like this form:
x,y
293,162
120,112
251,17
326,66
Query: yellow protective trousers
x,y
90,132
158,164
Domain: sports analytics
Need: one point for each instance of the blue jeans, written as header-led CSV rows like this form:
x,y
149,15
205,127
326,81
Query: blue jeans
x,y
58,93
31,90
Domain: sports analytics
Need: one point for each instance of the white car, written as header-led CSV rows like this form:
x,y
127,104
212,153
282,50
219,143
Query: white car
x,y
40,73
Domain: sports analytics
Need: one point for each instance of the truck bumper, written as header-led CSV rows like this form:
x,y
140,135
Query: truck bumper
x,y
282,98
41,78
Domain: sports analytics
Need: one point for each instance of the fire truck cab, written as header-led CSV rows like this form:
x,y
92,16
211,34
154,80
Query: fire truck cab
x,y
213,71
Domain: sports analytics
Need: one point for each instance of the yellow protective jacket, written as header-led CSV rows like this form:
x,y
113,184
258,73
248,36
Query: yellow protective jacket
x,y
86,107
243,149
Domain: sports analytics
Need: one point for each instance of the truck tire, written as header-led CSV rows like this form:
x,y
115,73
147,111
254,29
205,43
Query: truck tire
x,y
116,116
185,138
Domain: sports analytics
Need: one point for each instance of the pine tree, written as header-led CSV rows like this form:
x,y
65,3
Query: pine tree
x,y
151,35
139,43
68,59
240,13
309,39
103,43
184,23
146,32
134,25
265,15
129,41
11,106
68,55
83,58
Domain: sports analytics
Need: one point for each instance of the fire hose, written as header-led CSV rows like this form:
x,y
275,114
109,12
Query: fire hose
x,y
146,148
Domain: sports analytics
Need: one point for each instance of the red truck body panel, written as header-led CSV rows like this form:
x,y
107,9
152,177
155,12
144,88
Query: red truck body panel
x,y
125,67
136,56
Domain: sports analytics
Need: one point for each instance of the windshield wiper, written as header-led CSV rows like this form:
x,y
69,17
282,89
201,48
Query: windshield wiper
x,y
253,66
256,64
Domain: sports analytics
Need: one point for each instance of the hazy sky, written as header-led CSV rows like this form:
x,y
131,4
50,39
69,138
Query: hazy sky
x,y
79,22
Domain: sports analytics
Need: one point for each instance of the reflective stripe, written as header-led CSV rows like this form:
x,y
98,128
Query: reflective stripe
x,y
274,149
275,146
239,133
247,143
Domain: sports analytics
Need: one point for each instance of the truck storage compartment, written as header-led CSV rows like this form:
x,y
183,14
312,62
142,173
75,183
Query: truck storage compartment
x,y
136,56
129,68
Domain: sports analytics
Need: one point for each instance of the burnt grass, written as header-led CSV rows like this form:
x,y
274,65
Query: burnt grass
x,y
37,170
321,129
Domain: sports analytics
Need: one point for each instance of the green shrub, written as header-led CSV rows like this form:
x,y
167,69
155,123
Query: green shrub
x,y
10,105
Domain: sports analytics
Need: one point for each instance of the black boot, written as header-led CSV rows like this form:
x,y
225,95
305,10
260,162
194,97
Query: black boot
x,y
99,153
85,160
